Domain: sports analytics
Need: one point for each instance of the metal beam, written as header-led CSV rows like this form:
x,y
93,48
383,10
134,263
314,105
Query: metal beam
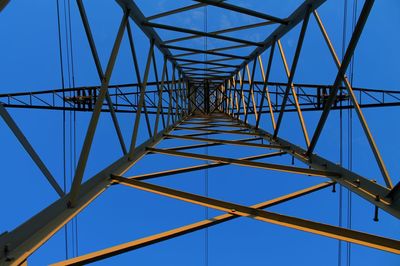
x,y
290,80
229,142
199,33
295,18
239,132
269,166
146,241
178,10
191,61
361,238
30,150
21,242
197,51
243,11
100,72
175,11
365,187
224,48
360,115
342,70
265,91
137,16
80,169
250,93
141,101
202,166
160,96
232,29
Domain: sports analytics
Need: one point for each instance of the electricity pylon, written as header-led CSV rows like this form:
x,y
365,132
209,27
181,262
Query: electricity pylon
x,y
211,103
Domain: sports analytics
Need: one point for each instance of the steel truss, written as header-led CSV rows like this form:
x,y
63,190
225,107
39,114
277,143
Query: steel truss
x,y
125,98
214,101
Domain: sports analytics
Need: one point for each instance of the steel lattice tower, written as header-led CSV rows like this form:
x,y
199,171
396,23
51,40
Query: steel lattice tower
x,y
221,104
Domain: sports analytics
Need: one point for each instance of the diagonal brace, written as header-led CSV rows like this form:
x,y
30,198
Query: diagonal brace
x,y
277,167
361,238
29,149
146,241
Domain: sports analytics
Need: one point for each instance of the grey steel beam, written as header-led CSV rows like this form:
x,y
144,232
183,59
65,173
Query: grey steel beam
x,y
203,145
174,11
160,88
178,10
265,87
197,51
342,70
251,93
199,33
290,80
141,101
201,166
90,39
83,157
194,146
295,18
207,76
295,102
170,103
100,72
234,125
195,69
176,94
228,30
240,92
236,96
201,126
207,72
219,131
269,166
360,115
207,133
220,59
228,142
30,150
116,124
243,11
137,16
361,238
141,104
224,48
146,241
191,61
208,62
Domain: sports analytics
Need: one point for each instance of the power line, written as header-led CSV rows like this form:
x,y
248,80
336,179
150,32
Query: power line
x,y
206,243
340,218
350,139
64,119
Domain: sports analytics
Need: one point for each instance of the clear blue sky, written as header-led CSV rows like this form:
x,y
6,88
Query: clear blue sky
x,y
29,61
